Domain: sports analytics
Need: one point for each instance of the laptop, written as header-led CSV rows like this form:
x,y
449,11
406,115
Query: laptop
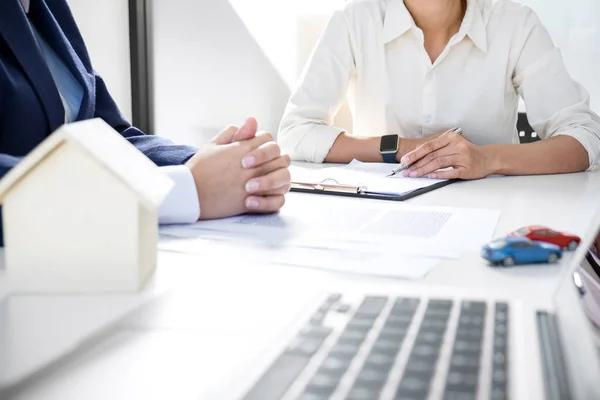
x,y
358,342
367,346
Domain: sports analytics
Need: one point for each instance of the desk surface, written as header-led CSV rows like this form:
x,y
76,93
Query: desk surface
x,y
565,202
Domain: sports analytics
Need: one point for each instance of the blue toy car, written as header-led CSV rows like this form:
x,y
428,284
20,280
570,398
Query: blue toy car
x,y
520,250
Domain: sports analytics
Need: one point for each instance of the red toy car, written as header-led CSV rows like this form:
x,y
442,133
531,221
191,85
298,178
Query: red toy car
x,y
547,235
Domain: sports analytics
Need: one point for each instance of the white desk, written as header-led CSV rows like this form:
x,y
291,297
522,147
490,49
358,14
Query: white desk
x,y
234,298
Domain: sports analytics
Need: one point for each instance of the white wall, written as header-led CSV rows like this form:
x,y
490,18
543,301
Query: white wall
x,y
105,29
210,72
575,28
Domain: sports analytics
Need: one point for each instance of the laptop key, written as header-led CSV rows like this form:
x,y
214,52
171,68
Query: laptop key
x,y
276,381
344,351
343,308
311,396
352,337
316,332
370,378
439,304
333,298
466,381
380,362
318,318
372,306
461,361
459,396
434,325
399,320
359,324
322,384
406,394
498,393
363,393
405,303
305,346
415,383
333,365
420,365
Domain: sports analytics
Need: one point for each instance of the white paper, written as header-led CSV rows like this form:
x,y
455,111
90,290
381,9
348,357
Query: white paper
x,y
323,258
342,235
308,221
373,176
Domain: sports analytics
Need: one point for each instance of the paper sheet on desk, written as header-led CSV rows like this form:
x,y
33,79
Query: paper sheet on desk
x,y
371,175
362,236
308,222
321,258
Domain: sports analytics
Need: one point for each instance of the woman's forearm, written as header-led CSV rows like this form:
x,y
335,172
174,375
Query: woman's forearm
x,y
557,155
366,149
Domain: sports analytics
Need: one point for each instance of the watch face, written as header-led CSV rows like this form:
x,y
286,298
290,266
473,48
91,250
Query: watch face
x,y
389,143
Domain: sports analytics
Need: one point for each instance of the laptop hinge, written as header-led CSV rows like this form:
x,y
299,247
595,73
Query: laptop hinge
x,y
555,372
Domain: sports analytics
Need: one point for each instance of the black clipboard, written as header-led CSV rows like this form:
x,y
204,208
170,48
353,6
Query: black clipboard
x,y
334,188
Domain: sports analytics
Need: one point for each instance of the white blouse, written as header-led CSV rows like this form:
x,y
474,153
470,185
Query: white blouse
x,y
373,52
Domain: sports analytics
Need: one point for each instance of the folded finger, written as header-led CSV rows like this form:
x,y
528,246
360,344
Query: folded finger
x,y
225,136
283,161
246,132
265,133
445,151
434,165
267,152
271,181
279,191
255,142
264,204
454,173
425,149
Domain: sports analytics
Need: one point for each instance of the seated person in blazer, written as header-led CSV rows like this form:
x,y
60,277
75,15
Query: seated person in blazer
x,y
413,69
47,79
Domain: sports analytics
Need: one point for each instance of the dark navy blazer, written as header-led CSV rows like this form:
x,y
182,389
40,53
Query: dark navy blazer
x,y
30,106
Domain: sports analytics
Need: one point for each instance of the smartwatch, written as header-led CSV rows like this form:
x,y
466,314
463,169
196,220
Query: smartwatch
x,y
389,148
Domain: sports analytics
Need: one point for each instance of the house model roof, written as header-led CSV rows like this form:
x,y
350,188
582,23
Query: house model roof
x,y
109,149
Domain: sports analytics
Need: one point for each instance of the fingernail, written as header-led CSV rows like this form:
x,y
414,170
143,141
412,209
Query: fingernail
x,y
404,160
252,186
413,174
248,161
432,176
252,204
405,172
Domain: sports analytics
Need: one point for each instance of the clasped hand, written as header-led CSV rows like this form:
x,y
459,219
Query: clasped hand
x,y
240,171
433,158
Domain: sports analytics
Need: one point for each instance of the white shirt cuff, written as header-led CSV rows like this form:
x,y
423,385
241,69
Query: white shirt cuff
x,y
589,140
181,205
309,142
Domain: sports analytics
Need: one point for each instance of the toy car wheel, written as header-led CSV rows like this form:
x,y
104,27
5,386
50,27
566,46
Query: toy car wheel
x,y
572,245
508,261
552,258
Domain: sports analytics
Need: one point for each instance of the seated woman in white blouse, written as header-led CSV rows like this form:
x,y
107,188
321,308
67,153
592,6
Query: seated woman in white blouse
x,y
416,68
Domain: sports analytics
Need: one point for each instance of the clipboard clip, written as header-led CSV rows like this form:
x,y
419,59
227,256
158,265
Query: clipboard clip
x,y
330,185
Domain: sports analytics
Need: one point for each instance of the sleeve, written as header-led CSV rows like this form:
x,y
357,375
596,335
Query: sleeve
x,y
181,205
555,103
7,162
160,150
306,132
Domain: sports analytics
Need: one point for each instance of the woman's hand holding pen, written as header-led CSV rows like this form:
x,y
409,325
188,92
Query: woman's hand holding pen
x,y
467,160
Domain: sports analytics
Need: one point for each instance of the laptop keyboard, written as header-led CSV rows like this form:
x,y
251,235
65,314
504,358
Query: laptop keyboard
x,y
393,348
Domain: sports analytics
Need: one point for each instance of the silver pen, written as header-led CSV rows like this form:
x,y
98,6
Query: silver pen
x,y
403,167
